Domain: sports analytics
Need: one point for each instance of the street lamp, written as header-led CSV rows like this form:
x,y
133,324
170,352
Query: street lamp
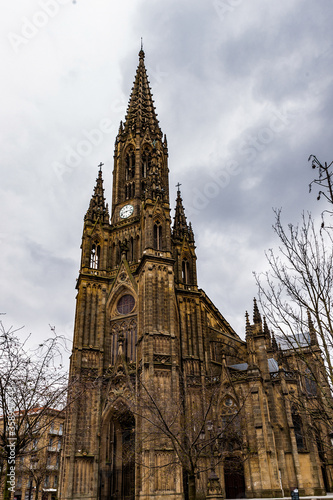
x,y
214,487
212,474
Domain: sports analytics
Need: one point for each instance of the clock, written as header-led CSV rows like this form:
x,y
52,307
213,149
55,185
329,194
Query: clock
x,y
126,211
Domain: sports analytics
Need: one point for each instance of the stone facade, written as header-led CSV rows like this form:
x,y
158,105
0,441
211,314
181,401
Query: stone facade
x,y
158,376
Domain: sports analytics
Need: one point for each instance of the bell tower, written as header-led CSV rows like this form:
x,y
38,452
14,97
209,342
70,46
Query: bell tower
x,y
126,324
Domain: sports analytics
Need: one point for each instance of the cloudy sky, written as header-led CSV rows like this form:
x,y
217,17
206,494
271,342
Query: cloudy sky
x,y
243,90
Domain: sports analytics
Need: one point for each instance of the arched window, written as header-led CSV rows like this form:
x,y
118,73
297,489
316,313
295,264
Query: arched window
x,y
123,245
298,429
158,236
130,164
185,271
129,190
310,383
95,256
146,162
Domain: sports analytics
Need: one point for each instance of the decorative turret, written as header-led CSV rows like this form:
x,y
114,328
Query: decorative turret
x,y
180,228
266,330
190,233
256,313
274,343
248,329
98,209
312,331
184,248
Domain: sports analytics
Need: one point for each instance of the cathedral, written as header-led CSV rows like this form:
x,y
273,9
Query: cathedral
x,y
166,400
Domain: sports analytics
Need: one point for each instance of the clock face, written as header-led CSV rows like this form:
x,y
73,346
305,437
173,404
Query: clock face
x,y
126,211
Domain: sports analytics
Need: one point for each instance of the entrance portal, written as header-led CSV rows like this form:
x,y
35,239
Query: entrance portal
x,y
234,478
117,475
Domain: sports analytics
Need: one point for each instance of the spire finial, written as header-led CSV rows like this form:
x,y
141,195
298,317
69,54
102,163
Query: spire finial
x,y
100,166
256,313
141,53
178,187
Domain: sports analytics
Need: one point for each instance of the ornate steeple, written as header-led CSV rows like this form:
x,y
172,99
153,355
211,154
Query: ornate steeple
x,y
141,110
141,154
256,313
180,227
98,209
184,247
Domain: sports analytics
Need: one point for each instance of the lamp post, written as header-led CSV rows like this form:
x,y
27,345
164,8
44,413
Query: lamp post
x,y
214,487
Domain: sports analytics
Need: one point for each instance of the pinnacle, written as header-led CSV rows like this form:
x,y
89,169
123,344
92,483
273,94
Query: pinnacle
x,y
266,329
256,313
98,209
180,227
248,328
312,331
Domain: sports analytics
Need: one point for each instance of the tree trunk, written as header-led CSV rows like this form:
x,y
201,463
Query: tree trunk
x,y
192,492
6,491
37,490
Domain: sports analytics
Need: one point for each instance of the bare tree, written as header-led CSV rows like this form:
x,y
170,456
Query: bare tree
x,y
32,381
188,431
324,180
296,296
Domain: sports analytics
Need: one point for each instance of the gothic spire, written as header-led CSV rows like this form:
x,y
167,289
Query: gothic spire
x,y
180,227
98,209
190,233
256,313
312,331
248,329
266,329
274,343
141,110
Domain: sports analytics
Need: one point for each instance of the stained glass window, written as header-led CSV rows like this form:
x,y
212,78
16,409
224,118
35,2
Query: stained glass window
x,y
125,304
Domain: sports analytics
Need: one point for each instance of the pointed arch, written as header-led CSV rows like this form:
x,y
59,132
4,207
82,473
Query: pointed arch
x,y
146,157
130,163
117,465
185,271
298,430
95,255
157,235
